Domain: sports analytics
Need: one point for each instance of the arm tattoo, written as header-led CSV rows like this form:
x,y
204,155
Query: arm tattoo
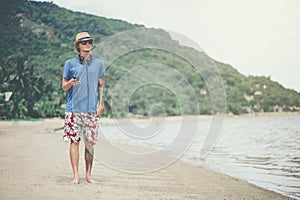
x,y
101,93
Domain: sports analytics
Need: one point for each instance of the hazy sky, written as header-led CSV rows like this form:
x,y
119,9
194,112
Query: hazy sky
x,y
257,37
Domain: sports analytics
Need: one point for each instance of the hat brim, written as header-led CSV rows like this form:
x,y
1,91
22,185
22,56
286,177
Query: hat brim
x,y
86,39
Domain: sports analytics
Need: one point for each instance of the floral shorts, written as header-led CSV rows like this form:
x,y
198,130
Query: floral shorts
x,y
81,126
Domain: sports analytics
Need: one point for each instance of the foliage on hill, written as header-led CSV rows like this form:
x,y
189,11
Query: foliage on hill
x,y
37,39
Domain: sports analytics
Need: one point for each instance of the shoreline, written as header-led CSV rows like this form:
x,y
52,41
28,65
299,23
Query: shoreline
x,y
34,164
107,120
268,114
111,121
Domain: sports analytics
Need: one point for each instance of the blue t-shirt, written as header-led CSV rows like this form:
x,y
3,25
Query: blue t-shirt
x,y
82,97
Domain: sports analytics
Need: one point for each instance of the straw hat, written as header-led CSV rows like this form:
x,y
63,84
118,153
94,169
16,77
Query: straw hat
x,y
82,36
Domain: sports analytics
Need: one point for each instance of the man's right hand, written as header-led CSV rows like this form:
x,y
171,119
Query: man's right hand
x,y
67,84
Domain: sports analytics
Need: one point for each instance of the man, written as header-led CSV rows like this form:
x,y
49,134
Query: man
x,y
83,79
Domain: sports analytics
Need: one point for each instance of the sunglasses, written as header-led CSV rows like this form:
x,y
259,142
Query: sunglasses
x,y
85,42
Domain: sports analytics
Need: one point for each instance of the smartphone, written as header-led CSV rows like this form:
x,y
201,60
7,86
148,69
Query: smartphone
x,y
75,78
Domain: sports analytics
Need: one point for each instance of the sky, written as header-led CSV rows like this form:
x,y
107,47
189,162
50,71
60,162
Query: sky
x,y
257,37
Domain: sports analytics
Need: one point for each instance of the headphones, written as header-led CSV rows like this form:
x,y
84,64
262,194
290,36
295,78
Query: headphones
x,y
88,60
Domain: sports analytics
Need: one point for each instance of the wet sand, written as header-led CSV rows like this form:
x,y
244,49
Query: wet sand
x,y
34,164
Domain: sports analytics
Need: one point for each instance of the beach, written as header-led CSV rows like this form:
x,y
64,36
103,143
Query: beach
x,y
34,164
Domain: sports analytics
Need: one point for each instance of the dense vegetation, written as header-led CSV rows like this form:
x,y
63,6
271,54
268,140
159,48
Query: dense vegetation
x,y
37,39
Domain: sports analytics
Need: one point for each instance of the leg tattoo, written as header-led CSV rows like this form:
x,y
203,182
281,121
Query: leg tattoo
x,y
89,155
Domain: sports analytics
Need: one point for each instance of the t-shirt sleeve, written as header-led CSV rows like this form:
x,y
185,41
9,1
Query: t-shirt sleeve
x,y
102,72
67,73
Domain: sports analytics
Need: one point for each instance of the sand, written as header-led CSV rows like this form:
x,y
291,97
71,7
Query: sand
x,y
34,164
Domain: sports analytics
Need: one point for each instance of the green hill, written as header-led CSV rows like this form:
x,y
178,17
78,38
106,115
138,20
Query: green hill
x,y
37,39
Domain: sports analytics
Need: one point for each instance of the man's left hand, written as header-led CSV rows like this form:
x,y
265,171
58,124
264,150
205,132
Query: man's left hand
x,y
99,110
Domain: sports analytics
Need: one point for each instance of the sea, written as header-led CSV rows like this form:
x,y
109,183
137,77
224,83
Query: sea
x,y
263,150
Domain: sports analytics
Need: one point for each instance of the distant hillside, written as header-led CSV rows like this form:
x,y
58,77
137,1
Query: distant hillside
x,y
37,39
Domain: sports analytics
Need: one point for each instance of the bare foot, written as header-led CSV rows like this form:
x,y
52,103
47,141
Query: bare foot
x,y
90,180
75,181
